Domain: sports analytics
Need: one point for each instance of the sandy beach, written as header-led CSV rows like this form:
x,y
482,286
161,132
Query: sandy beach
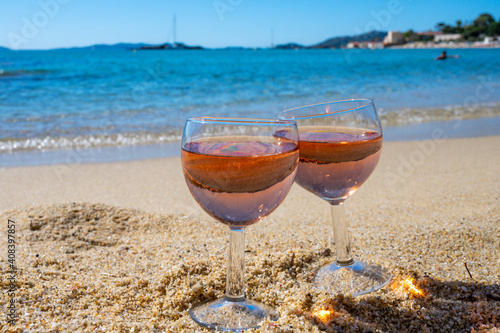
x,y
123,247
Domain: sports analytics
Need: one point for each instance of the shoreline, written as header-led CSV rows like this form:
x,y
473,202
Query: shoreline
x,y
460,128
415,46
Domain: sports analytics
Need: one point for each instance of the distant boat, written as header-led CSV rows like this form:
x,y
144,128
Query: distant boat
x,y
174,45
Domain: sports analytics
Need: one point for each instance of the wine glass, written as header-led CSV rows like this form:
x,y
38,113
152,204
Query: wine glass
x,y
239,171
340,144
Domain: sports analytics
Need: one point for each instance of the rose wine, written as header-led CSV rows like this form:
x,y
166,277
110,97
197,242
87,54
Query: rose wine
x,y
237,180
336,161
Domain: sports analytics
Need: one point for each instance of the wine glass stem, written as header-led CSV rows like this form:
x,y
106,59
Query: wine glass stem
x,y
235,279
341,235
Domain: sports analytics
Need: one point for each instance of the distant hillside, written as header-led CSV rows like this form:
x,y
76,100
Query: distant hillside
x,y
134,46
343,41
4,48
105,47
168,46
334,42
119,46
289,46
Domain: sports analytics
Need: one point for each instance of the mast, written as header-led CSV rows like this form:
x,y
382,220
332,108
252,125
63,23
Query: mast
x,y
174,26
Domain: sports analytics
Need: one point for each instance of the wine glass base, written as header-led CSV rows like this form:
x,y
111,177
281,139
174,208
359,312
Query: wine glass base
x,y
232,316
355,279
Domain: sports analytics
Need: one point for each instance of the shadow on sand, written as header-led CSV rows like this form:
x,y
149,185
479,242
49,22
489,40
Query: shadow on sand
x,y
444,306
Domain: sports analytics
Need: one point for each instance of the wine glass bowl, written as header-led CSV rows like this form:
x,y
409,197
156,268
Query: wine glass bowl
x,y
336,164
238,171
340,145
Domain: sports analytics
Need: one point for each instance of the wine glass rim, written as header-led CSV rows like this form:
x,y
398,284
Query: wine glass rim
x,y
312,115
241,121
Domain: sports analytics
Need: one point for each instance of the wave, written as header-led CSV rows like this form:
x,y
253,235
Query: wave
x,y
404,116
407,116
87,141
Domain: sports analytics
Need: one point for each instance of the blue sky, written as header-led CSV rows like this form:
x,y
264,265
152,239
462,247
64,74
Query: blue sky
x,y
43,24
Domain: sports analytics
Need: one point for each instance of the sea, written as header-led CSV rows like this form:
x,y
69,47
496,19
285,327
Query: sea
x,y
113,105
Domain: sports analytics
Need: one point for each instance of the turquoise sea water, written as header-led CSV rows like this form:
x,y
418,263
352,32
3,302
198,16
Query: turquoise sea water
x,y
77,99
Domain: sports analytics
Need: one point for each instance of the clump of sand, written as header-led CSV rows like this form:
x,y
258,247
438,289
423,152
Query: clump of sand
x,y
99,268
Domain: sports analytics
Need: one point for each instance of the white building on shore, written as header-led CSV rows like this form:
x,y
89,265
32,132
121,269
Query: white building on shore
x,y
393,38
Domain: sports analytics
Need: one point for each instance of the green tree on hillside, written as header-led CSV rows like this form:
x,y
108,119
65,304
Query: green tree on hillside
x,y
411,36
494,29
440,26
483,25
484,20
